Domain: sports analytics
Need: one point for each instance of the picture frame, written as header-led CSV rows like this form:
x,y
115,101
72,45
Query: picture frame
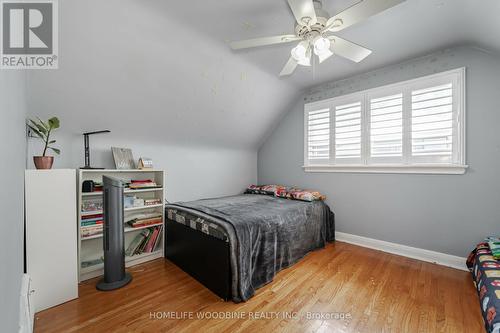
x,y
123,158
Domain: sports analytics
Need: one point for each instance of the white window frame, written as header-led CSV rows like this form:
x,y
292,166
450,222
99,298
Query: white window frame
x,y
407,163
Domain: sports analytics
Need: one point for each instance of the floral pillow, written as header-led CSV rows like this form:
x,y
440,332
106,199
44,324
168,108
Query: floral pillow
x,y
284,192
304,195
272,189
264,189
253,189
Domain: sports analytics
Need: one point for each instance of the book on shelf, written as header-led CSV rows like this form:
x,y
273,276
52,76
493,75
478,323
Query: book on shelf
x,y
92,227
142,184
141,247
96,227
133,218
150,242
136,242
158,239
91,223
91,216
145,242
91,230
145,222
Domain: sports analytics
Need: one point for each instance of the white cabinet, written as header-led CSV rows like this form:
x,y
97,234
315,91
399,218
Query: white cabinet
x,y
51,236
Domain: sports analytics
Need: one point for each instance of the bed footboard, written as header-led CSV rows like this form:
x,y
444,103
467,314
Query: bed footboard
x,y
204,257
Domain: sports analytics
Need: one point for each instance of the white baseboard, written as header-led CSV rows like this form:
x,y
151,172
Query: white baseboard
x,y
403,250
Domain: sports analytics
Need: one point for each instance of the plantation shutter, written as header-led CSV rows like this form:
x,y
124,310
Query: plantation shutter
x,y
348,132
318,135
386,126
432,121
415,126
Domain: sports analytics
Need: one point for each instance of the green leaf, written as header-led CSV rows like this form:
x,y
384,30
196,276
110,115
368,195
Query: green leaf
x,y
35,131
52,141
55,150
44,124
54,123
40,127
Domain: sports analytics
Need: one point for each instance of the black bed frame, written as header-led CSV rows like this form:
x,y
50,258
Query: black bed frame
x,y
204,257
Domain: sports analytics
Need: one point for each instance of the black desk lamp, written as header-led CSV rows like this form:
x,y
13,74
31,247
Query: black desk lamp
x,y
87,148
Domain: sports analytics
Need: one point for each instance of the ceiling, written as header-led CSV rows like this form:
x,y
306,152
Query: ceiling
x,y
162,70
138,68
411,29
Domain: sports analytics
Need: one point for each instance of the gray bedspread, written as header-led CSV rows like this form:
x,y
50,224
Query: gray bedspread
x,y
266,234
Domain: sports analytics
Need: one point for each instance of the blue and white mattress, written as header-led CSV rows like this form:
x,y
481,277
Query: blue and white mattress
x,y
486,275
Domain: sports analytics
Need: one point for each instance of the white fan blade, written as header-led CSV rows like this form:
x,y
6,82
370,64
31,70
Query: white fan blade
x,y
358,12
303,10
289,67
243,44
347,49
327,54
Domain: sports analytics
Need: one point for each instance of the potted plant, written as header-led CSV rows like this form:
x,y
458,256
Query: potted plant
x,y
43,130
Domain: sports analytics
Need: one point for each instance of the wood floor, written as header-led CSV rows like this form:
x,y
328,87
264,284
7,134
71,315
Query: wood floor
x,y
342,288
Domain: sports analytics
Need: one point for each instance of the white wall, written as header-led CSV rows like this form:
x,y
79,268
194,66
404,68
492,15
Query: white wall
x,y
447,213
12,150
140,70
192,172
165,90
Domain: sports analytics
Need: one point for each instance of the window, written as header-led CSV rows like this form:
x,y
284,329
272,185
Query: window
x,y
386,126
432,121
318,135
415,126
348,131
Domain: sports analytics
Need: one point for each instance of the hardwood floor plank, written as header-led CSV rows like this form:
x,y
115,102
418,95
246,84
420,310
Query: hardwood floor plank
x,y
376,292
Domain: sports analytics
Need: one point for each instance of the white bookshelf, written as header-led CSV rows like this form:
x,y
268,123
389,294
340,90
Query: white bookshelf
x,y
91,248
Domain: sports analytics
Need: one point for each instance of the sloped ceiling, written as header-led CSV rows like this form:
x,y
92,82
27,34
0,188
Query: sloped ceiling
x,y
140,70
162,70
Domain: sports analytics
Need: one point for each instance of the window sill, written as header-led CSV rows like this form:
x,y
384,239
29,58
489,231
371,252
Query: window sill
x,y
433,169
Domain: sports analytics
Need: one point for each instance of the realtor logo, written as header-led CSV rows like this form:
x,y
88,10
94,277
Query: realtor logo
x,y
29,34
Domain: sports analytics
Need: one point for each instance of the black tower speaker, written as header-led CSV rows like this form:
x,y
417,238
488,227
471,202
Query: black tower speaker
x,y
114,240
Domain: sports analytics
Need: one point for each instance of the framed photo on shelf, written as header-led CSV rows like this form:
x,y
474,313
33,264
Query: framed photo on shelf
x,y
123,158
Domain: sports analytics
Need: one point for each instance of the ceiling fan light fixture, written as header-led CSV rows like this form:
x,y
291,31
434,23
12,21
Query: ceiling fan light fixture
x,y
321,46
302,54
312,26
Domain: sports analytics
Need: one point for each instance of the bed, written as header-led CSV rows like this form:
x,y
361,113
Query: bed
x,y
486,276
234,245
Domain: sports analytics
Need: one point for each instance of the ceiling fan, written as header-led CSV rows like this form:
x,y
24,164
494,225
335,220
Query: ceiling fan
x,y
313,30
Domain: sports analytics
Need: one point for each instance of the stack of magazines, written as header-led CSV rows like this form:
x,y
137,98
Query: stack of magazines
x,y
142,184
144,219
91,225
